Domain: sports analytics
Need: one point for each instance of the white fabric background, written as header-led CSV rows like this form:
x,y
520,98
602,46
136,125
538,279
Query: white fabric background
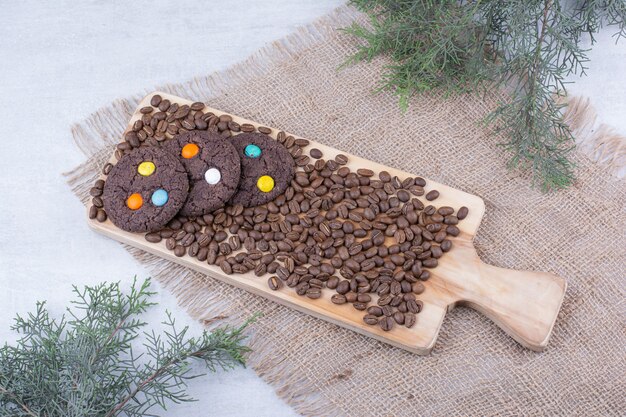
x,y
62,60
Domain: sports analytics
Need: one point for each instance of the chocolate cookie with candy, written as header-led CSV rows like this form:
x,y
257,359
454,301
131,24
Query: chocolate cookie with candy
x,y
145,190
213,169
267,169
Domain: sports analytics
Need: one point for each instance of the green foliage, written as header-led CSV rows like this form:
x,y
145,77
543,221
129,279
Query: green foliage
x,y
524,47
84,364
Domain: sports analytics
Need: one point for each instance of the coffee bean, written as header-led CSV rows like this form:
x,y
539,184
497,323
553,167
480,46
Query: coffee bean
x,y
432,195
245,127
365,172
398,317
338,299
359,306
462,213
403,196
155,100
314,293
341,159
197,106
101,216
415,306
409,320
418,287
370,319
453,230
430,263
386,323
316,153
154,237
180,250
385,299
274,283
93,212
95,192
375,310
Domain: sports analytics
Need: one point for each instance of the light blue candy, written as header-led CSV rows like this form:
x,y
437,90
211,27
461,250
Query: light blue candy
x,y
252,151
159,197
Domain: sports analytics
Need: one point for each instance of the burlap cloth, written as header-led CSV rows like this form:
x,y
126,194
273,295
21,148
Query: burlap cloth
x,y
475,368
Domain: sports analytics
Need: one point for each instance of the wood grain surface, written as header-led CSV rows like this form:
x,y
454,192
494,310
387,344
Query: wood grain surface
x,y
524,304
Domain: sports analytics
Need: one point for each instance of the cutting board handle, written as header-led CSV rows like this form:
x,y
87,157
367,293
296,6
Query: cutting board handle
x,y
524,304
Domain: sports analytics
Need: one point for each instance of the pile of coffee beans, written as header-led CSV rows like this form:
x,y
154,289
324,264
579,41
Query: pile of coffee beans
x,y
366,236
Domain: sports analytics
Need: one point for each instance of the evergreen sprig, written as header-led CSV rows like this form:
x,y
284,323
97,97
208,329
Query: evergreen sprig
x,y
526,48
85,365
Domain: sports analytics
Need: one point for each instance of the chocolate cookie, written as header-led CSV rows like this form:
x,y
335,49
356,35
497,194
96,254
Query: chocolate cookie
x,y
145,190
267,169
212,166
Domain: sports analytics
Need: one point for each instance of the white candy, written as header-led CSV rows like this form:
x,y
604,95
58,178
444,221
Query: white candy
x,y
212,176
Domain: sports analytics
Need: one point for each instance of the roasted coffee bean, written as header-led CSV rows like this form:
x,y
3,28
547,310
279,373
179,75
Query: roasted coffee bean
x,y
93,212
332,282
398,317
316,153
409,320
386,323
343,287
418,287
403,196
370,319
432,195
164,105
274,283
101,216
245,127
365,172
226,267
359,306
95,192
313,293
180,250
107,168
197,106
385,299
155,100
415,306
351,297
375,311
338,299
341,159
153,237
453,230
462,213
430,263
445,210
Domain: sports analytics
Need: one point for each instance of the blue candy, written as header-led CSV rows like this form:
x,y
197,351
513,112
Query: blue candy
x,y
159,197
252,151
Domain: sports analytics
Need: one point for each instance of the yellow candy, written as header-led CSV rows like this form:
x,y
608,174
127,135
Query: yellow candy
x,y
146,168
265,183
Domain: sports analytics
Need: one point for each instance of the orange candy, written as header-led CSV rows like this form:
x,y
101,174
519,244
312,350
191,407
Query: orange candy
x,y
190,150
134,202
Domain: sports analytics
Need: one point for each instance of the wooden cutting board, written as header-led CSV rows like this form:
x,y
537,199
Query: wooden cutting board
x,y
524,304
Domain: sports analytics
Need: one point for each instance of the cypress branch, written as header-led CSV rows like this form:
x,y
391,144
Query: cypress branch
x,y
85,365
526,48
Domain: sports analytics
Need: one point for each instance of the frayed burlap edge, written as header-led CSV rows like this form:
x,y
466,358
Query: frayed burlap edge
x,y
99,132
